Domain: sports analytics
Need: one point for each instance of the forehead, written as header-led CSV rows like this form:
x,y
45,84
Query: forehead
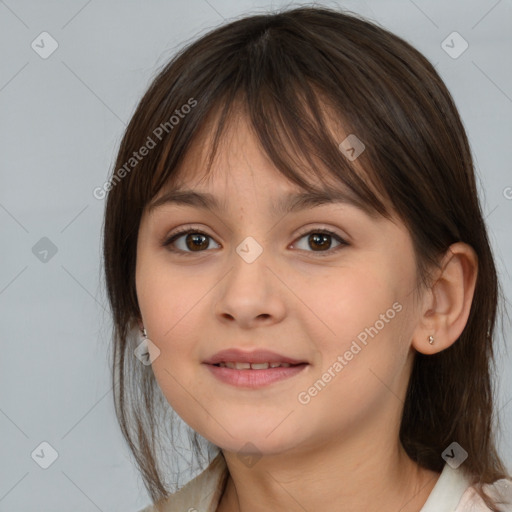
x,y
240,166
237,157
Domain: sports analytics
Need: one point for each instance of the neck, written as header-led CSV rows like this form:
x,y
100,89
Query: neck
x,y
355,476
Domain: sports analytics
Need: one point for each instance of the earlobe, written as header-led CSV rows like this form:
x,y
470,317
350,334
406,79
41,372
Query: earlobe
x,y
448,303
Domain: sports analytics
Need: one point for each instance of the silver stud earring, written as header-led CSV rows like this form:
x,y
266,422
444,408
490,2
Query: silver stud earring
x,y
144,333
431,339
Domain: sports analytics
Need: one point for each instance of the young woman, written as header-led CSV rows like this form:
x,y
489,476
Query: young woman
x,y
298,266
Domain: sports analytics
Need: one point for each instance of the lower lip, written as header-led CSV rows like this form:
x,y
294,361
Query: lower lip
x,y
254,378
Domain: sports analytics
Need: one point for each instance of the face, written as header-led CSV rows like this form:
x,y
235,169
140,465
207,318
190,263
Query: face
x,y
328,286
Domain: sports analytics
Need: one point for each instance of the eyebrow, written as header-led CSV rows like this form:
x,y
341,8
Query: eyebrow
x,y
292,202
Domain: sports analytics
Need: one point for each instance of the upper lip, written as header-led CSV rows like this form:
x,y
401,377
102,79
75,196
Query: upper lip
x,y
255,356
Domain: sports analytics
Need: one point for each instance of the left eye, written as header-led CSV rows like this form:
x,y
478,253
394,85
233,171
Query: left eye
x,y
197,241
321,239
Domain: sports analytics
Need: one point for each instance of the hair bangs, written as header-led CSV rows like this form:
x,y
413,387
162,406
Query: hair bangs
x,y
298,129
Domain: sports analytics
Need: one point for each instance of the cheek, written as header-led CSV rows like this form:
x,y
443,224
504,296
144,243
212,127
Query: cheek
x,y
360,364
166,296
168,306
363,320
339,306
171,309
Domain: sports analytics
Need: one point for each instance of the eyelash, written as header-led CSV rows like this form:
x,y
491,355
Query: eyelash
x,y
172,238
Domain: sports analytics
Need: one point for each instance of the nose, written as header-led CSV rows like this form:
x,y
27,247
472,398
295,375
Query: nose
x,y
251,294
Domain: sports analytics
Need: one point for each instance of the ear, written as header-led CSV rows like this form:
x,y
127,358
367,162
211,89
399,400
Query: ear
x,y
446,305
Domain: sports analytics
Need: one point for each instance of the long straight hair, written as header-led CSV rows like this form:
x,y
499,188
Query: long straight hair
x,y
286,69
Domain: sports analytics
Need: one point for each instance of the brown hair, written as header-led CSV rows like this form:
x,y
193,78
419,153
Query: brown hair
x,y
283,69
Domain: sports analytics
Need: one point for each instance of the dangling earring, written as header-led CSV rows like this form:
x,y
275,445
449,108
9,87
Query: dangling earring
x,y
146,357
142,351
431,339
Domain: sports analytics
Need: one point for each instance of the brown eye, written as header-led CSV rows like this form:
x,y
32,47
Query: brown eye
x,y
320,241
194,241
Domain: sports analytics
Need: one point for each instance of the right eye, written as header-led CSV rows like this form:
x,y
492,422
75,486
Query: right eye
x,y
194,240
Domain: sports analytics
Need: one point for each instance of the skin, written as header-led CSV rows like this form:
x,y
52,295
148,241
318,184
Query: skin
x,y
343,446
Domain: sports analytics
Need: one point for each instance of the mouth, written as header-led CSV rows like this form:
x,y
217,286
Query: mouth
x,y
253,370
254,375
239,359
254,366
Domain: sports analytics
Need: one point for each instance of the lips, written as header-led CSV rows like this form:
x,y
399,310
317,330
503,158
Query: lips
x,y
234,355
253,370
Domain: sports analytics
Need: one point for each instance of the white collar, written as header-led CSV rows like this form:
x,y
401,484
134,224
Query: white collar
x,y
448,491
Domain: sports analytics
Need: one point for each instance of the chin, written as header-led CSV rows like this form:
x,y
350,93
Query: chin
x,y
254,441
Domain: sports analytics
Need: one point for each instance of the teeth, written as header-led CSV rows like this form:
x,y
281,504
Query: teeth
x,y
259,366
252,366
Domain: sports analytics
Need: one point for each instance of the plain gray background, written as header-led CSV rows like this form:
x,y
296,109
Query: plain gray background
x,y
61,120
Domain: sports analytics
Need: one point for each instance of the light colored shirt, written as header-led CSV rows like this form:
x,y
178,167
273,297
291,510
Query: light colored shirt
x,y
452,493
